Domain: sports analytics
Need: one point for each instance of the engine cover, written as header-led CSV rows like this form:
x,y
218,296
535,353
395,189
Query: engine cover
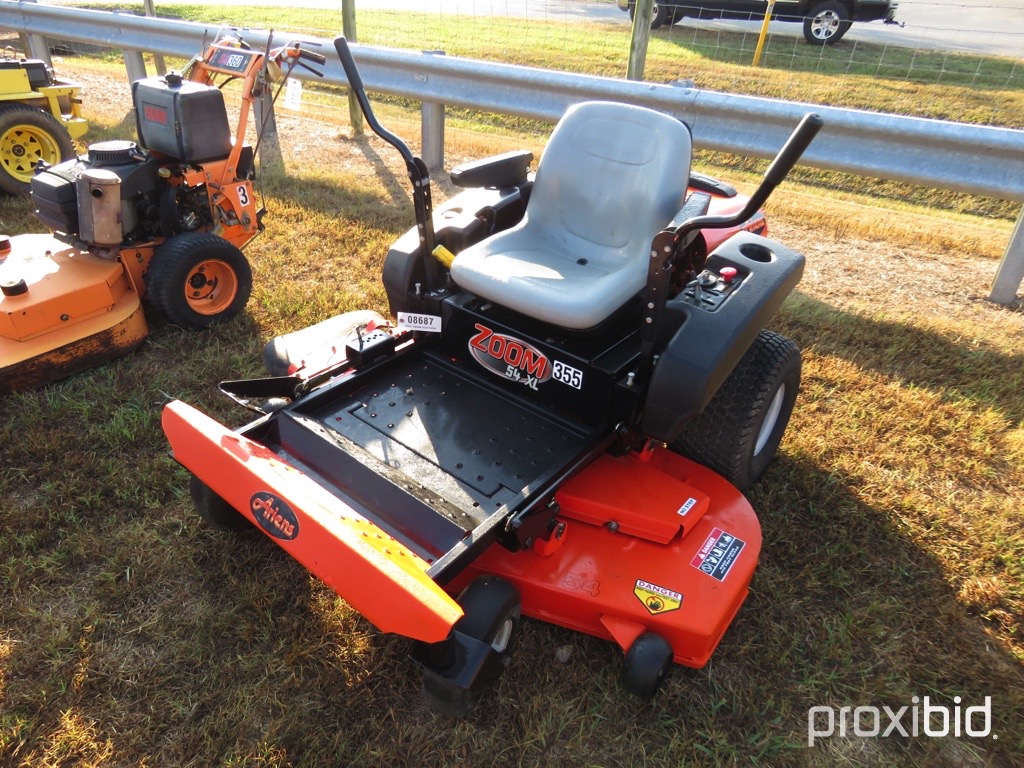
x,y
56,199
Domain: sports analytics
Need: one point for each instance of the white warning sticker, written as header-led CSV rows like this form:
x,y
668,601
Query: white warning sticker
x,y
718,554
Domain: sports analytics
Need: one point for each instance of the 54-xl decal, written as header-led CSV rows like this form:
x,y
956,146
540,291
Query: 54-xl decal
x,y
518,360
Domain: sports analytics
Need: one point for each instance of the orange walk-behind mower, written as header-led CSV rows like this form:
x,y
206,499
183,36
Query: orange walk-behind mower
x,y
559,425
163,219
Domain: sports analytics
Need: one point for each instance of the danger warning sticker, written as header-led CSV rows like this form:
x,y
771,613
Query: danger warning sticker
x,y
657,599
717,554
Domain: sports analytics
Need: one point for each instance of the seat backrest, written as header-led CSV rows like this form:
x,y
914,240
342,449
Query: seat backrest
x,y
612,175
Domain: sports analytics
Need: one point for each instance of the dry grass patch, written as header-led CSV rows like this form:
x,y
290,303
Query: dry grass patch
x,y
893,564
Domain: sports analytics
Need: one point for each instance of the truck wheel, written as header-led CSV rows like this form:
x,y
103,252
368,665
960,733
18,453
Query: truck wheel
x,y
826,23
198,279
28,135
213,509
739,432
492,612
646,664
659,14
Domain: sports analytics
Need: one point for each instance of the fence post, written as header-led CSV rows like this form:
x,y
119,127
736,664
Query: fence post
x,y
158,58
269,145
764,33
1010,274
638,42
348,29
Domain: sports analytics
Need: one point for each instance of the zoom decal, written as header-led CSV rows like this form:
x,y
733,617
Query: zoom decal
x,y
509,357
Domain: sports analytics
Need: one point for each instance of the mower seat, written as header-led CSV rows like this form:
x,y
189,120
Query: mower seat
x,y
612,176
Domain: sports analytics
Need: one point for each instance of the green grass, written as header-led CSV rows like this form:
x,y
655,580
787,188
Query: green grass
x,y
892,567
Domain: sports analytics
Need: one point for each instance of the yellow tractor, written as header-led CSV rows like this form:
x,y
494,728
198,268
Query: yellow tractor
x,y
40,114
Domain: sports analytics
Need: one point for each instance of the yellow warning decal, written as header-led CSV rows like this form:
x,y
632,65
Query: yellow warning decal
x,y
657,599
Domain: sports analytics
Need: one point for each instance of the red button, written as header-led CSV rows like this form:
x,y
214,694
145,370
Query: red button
x,y
728,274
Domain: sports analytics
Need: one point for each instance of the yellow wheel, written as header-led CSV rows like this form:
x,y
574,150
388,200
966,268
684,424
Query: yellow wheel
x,y
198,279
28,135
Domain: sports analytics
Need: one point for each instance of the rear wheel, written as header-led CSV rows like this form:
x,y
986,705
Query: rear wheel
x,y
826,23
198,279
28,135
739,431
646,664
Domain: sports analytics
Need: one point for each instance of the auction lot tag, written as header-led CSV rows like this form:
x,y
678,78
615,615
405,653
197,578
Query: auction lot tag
x,y
412,321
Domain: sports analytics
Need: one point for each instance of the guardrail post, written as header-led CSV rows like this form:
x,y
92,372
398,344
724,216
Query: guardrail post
x,y
432,130
1010,274
38,49
135,65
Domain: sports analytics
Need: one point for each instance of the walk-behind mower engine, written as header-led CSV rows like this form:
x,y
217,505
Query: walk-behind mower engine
x,y
120,191
162,219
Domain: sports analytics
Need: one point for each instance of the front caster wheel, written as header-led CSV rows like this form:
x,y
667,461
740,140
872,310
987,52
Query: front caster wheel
x,y
647,662
463,667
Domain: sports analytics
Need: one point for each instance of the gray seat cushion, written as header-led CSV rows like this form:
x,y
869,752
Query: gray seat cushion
x,y
611,177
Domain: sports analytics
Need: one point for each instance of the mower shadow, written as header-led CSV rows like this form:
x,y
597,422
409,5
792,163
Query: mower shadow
x,y
951,368
845,602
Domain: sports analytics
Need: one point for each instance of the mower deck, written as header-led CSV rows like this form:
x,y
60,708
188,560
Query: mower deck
x,y
71,311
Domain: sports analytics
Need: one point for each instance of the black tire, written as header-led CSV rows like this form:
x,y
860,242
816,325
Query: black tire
x,y
492,611
214,510
198,279
826,23
28,135
647,662
739,432
659,14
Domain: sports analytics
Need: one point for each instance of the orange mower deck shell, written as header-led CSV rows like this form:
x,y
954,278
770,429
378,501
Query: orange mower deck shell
x,y
376,574
76,311
650,543
620,577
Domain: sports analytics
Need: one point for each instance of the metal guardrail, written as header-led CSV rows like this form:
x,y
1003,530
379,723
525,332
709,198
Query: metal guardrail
x,y
979,160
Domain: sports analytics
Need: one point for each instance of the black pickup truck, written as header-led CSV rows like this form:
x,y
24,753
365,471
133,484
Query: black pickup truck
x,y
825,21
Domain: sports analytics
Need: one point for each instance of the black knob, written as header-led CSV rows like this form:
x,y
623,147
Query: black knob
x,y
14,287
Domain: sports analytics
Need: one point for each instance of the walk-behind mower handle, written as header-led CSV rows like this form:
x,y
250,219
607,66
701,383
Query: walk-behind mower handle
x,y
316,58
783,163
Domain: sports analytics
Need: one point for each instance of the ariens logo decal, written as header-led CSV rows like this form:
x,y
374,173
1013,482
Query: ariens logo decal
x,y
509,357
274,516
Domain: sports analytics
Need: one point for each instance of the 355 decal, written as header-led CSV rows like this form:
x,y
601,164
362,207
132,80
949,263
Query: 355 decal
x,y
518,360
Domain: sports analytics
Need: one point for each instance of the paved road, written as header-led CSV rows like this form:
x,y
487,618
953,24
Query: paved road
x,y
975,26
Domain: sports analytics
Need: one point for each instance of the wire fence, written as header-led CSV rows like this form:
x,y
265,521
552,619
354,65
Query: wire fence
x,y
869,68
